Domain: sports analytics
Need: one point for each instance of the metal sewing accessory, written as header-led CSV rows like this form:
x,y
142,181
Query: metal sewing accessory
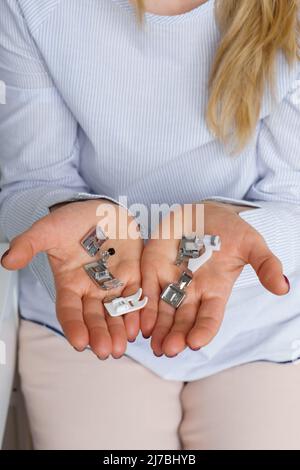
x,y
105,255
93,241
101,276
98,271
174,294
122,305
210,243
189,248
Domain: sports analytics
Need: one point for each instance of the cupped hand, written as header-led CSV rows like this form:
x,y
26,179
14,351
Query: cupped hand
x,y
196,322
79,302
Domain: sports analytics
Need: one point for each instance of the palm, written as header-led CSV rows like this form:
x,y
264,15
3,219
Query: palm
x,y
79,301
199,318
81,313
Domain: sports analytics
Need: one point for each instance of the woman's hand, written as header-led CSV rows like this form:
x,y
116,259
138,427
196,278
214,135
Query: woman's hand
x,y
198,319
79,306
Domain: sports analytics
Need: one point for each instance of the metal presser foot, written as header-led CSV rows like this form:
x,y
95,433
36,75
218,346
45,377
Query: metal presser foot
x,y
98,270
211,243
189,251
174,294
189,248
105,255
101,276
93,241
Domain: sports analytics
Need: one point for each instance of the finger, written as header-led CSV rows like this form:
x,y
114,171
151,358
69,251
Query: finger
x,y
268,267
24,247
131,320
118,335
175,341
99,336
151,289
208,322
69,314
162,327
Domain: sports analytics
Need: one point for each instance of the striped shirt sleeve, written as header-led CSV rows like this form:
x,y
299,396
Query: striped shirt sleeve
x,y
277,190
38,134
274,199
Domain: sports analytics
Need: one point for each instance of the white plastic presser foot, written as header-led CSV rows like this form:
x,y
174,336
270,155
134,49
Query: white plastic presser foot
x,y
211,243
122,305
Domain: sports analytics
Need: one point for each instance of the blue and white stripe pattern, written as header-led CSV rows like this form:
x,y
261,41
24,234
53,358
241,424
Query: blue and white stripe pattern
x,y
192,15
98,106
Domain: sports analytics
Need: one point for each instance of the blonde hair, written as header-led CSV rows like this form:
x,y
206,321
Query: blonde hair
x,y
252,33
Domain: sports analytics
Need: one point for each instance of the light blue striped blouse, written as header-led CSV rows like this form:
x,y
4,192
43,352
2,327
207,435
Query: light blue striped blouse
x,y
96,105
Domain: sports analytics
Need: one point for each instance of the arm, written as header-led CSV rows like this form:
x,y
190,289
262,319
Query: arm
x,y
39,169
277,191
275,196
38,135
261,242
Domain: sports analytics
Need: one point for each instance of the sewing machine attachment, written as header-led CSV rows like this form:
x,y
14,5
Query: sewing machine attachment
x,y
101,276
189,248
93,241
105,255
122,305
174,294
211,243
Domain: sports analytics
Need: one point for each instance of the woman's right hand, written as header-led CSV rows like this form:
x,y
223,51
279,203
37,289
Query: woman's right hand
x,y
79,302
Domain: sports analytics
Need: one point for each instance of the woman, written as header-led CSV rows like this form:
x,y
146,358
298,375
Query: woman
x,y
182,102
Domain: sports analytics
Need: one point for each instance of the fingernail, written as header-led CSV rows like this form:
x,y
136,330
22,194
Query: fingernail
x,y
4,255
146,337
78,350
103,358
195,349
131,340
171,357
157,355
288,282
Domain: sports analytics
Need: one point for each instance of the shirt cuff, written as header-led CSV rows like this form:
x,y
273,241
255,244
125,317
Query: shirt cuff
x,y
278,223
234,202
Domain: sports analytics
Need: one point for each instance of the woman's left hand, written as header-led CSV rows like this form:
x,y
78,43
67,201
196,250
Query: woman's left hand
x,y
198,319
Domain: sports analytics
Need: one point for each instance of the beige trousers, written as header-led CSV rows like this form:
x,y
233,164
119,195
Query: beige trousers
x,y
76,401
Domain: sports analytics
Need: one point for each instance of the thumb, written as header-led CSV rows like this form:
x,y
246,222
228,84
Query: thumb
x,y
268,268
25,246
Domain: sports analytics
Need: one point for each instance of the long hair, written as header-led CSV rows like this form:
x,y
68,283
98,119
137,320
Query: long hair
x,y
252,34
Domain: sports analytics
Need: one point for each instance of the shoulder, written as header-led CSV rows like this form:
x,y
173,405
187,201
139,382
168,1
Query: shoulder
x,y
286,83
35,12
21,64
286,76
